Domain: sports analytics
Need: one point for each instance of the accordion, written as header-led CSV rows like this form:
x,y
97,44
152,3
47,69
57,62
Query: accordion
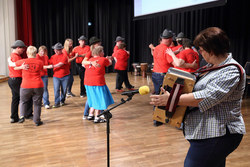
x,y
176,82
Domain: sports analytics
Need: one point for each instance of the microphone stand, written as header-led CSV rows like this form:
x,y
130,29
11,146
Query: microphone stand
x,y
108,116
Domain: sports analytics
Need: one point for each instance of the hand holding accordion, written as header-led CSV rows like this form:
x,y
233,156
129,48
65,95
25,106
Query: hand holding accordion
x,y
175,83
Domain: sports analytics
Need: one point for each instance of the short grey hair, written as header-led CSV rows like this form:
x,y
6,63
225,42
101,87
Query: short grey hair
x,y
97,50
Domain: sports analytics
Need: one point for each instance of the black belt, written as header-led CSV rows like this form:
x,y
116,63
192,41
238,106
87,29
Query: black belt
x,y
15,78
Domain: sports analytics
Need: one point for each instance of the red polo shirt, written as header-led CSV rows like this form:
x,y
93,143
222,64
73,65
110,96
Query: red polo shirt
x,y
62,71
32,76
45,60
122,59
68,55
188,55
162,61
176,47
80,51
14,73
115,48
95,76
89,54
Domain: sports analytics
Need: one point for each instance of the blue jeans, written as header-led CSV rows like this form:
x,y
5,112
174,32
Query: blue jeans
x,y
60,83
211,152
157,79
45,90
86,109
70,82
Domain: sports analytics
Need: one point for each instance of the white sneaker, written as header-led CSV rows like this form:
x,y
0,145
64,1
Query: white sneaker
x,y
47,107
85,117
82,96
99,120
62,104
90,117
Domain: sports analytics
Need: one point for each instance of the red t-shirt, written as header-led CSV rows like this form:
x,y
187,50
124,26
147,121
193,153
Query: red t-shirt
x,y
176,47
14,73
95,76
122,59
89,54
80,51
45,60
32,76
188,55
68,55
162,61
115,48
62,71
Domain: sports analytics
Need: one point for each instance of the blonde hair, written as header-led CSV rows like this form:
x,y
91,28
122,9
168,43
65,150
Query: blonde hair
x,y
31,51
92,47
97,50
66,45
44,48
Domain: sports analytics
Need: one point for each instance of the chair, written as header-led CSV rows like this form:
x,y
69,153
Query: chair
x,y
247,70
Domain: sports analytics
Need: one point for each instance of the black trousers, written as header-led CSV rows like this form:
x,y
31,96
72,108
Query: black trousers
x,y
122,76
14,84
81,72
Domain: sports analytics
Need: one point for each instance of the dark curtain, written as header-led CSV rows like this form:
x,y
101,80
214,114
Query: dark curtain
x,y
111,19
24,22
54,21
232,18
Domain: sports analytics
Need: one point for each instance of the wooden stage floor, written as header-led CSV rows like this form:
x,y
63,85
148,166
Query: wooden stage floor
x,y
65,140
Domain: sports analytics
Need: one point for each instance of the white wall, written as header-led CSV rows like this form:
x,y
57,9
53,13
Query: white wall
x,y
8,32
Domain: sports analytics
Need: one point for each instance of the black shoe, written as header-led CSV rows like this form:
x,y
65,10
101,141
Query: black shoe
x,y
39,123
29,117
12,120
157,123
21,120
70,94
56,106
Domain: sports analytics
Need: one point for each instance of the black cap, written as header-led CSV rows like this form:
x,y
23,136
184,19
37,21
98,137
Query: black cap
x,y
167,34
18,43
180,35
94,40
82,38
119,38
57,46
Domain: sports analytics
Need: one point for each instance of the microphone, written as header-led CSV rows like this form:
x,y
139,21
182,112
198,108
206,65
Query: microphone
x,y
143,90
